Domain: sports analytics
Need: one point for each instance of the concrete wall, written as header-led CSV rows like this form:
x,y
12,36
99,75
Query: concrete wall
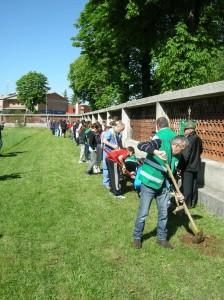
x,y
205,104
35,120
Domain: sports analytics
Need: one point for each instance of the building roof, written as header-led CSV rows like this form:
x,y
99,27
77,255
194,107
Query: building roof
x,y
11,96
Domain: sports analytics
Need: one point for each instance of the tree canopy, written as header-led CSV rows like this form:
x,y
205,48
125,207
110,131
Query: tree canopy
x,y
185,61
32,89
135,48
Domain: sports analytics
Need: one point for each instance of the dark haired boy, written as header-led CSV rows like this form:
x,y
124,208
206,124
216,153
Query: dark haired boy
x,y
92,142
115,161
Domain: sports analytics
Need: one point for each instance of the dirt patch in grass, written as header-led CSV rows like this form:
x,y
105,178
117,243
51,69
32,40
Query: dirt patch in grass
x,y
211,246
114,256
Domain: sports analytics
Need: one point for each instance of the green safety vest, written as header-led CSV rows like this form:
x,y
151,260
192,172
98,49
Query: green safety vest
x,y
131,158
153,172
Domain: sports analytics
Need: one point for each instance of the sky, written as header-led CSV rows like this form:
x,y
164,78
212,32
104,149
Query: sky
x,y
36,36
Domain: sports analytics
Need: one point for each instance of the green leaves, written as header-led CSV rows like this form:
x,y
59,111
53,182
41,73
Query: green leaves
x,y
32,89
134,48
91,84
132,10
186,60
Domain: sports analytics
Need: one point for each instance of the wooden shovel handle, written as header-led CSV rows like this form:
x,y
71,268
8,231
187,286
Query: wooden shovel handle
x,y
194,227
173,179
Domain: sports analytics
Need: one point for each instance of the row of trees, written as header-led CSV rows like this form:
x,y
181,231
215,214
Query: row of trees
x,y
135,48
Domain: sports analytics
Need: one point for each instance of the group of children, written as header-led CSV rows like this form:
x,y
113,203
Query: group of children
x,y
59,128
101,147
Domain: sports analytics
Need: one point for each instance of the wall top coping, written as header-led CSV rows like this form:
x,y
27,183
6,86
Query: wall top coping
x,y
42,115
197,92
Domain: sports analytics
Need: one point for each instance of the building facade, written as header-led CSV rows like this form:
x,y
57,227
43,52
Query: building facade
x,y
54,104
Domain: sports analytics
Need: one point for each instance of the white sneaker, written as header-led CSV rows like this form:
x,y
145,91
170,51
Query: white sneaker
x,y
95,170
98,169
120,197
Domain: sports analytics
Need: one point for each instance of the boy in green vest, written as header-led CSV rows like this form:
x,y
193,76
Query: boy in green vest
x,y
165,147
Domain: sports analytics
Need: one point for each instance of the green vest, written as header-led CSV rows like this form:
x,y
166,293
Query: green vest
x,y
131,158
153,172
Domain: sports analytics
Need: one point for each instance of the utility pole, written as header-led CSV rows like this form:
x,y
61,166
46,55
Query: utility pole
x,y
46,109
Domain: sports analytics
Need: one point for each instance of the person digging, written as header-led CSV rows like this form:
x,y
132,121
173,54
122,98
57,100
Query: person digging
x,y
153,175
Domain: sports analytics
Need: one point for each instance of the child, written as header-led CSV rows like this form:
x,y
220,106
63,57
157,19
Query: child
x,y
116,160
112,139
92,142
82,138
131,163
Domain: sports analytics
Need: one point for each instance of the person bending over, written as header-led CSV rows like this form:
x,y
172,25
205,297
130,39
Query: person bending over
x,y
115,161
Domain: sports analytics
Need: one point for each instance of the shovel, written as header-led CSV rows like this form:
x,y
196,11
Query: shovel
x,y
198,234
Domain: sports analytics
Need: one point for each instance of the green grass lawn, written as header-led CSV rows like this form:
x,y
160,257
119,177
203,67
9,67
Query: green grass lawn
x,y
62,236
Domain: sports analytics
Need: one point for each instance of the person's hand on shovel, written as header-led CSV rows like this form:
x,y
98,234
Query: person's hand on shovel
x,y
161,154
180,197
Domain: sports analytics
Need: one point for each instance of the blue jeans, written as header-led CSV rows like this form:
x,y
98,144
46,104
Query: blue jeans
x,y
162,200
106,180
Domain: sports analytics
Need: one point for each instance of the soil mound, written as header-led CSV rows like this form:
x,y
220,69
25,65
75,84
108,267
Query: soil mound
x,y
211,246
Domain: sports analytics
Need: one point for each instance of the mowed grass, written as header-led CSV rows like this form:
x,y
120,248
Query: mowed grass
x,y
62,236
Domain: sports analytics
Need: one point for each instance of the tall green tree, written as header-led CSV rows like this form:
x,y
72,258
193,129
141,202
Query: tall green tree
x,y
190,57
106,58
90,84
184,62
124,43
65,94
32,89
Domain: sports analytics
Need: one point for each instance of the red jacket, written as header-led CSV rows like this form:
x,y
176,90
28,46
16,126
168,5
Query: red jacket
x,y
114,154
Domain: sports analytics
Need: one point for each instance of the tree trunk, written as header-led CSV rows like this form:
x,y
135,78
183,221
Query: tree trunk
x,y
125,85
146,78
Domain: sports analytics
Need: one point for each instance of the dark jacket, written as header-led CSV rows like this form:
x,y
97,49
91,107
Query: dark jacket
x,y
91,138
190,159
63,125
82,135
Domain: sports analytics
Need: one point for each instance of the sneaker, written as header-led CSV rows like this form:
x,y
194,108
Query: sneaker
x,y
119,196
98,170
137,244
164,244
94,169
88,173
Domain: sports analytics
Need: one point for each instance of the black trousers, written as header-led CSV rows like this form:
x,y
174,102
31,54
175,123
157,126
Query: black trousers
x,y
189,188
114,176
